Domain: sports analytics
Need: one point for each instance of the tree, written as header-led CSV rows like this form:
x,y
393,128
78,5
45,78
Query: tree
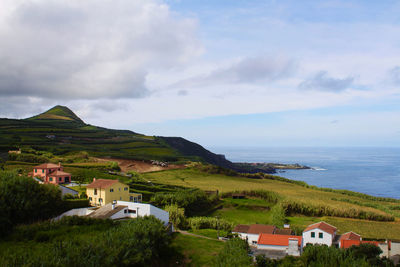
x,y
176,216
23,200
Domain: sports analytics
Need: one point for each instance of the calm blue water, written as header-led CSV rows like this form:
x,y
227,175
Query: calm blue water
x,y
374,171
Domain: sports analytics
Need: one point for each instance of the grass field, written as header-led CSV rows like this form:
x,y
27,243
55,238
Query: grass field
x,y
242,214
197,251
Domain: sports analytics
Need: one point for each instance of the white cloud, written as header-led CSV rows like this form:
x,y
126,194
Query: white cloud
x,y
89,49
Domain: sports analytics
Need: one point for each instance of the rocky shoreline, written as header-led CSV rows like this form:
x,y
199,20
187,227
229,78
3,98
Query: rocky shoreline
x,y
268,167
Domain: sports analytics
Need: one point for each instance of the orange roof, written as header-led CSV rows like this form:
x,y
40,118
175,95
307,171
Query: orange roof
x,y
59,173
102,183
286,231
348,243
261,228
47,166
323,226
277,240
350,236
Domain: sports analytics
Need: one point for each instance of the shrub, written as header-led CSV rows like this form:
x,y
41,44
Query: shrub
x,y
263,194
193,201
176,216
234,254
209,223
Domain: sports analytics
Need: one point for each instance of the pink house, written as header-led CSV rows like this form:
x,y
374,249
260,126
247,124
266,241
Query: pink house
x,y
51,173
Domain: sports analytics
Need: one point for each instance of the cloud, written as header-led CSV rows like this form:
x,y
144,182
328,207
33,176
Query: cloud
x,y
248,70
92,49
323,82
182,92
394,75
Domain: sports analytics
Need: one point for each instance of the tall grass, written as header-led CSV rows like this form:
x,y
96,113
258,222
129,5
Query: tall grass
x,y
312,209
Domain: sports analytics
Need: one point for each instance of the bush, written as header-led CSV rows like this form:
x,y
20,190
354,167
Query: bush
x,y
114,166
193,201
22,200
176,216
269,196
234,254
209,223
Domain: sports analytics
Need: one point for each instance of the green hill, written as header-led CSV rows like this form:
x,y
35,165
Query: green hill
x,y
60,131
58,113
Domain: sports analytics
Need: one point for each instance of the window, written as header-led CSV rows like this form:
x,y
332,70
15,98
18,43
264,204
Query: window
x,y
313,234
100,200
321,235
120,198
90,198
42,170
254,242
132,211
131,198
60,179
119,189
66,179
95,191
111,189
126,188
35,170
51,179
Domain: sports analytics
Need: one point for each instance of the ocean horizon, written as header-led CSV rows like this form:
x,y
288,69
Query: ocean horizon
x,y
370,170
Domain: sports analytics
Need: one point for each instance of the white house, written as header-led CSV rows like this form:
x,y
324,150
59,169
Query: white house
x,y
319,233
251,233
119,210
125,210
288,244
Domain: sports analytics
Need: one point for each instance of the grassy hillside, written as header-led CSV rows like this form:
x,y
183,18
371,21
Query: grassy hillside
x,y
251,211
60,131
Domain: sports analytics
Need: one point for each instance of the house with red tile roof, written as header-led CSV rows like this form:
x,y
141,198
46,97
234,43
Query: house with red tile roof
x,y
346,240
289,244
319,233
51,173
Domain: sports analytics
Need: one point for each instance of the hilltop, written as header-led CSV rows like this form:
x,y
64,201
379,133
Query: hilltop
x,y
60,131
58,113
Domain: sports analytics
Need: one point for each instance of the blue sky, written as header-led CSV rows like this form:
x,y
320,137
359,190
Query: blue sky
x,y
221,73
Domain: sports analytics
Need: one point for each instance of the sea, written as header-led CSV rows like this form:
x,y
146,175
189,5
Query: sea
x,y
370,170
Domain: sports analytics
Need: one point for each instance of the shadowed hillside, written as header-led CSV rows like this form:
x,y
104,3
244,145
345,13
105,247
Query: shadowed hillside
x,y
60,131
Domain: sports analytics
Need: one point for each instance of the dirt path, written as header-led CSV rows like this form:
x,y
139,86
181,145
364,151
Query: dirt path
x,y
138,165
201,236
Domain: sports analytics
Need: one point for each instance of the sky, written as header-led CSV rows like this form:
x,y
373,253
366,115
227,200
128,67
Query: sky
x,y
220,73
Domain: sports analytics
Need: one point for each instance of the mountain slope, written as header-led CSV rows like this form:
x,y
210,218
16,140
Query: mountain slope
x,y
60,131
58,113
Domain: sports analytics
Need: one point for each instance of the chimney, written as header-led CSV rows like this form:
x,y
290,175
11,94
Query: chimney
x,y
94,179
59,164
286,226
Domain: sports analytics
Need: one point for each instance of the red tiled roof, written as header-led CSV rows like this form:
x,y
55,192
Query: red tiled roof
x,y
102,183
348,243
350,236
241,228
286,231
261,228
277,240
59,173
47,166
323,226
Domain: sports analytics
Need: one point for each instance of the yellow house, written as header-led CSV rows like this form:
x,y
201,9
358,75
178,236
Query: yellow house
x,y
103,191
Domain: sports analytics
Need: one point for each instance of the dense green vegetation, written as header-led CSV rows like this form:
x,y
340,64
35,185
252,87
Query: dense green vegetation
x,y
317,256
22,200
234,254
140,242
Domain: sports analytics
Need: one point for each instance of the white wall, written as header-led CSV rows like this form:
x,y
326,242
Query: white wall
x,y
325,240
141,210
395,248
75,212
273,247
